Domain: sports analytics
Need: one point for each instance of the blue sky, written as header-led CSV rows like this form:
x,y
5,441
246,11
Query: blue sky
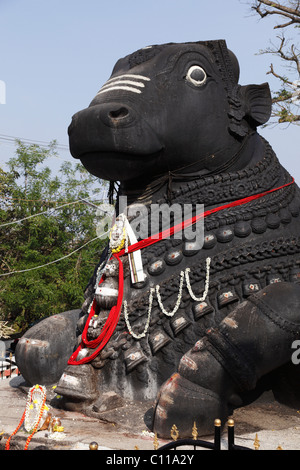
x,y
56,54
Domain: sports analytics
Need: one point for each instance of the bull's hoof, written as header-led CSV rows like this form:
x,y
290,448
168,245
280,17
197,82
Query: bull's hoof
x,y
77,385
43,352
184,403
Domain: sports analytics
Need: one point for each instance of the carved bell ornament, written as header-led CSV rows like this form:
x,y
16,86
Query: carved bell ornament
x,y
107,293
111,268
133,357
179,322
158,340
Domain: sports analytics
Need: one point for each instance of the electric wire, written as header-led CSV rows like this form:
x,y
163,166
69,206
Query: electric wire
x,y
12,140
79,201
40,213
54,261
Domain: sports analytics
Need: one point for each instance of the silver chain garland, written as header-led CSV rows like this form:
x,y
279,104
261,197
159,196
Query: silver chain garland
x,y
172,313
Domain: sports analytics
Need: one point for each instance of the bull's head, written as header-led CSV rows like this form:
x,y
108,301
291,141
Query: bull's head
x,y
167,108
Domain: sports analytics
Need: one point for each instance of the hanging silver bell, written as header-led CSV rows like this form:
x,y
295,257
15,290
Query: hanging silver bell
x,y
133,357
158,340
112,268
81,322
85,305
179,322
202,308
106,294
82,354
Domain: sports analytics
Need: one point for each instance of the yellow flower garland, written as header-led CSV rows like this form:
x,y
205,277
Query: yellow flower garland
x,y
120,246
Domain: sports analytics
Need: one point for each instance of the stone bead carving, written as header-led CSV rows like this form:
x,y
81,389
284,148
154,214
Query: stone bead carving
x,y
273,221
210,240
173,257
157,267
190,248
285,216
242,229
224,234
259,225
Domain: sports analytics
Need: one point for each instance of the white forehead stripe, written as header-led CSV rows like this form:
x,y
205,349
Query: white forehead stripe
x,y
131,76
126,88
124,82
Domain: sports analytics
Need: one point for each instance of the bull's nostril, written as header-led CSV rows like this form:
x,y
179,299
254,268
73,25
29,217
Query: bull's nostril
x,y
119,113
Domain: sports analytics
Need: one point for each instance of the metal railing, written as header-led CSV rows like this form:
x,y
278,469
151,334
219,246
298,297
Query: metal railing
x,y
8,366
195,443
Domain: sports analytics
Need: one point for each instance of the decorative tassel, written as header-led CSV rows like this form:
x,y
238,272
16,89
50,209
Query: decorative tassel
x,y
169,192
110,193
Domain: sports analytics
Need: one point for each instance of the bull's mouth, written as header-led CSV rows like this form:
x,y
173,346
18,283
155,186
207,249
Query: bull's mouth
x,y
121,166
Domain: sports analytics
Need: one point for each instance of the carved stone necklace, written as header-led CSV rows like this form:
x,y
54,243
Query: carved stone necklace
x,y
112,296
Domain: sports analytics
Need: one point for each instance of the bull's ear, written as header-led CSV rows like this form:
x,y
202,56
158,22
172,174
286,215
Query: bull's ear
x,y
249,106
257,103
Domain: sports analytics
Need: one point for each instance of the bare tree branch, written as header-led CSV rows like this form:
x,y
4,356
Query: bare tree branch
x,y
287,99
293,12
293,56
283,79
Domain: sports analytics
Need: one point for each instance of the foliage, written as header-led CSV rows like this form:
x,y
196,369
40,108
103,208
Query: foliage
x,y
28,189
286,101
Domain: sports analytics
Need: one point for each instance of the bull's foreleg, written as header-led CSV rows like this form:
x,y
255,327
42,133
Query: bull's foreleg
x,y
228,362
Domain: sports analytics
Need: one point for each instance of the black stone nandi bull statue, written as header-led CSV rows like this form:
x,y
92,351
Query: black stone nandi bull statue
x,y
202,331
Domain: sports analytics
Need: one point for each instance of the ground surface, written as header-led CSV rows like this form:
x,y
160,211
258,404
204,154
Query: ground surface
x,y
124,428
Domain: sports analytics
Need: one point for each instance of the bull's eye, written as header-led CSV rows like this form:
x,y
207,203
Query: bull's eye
x,y
196,75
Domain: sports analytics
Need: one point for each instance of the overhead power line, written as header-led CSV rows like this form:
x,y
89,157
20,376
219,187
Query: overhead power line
x,y
13,139
39,213
43,201
55,261
79,201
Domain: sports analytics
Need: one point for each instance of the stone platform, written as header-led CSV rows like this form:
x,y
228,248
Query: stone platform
x,y
125,428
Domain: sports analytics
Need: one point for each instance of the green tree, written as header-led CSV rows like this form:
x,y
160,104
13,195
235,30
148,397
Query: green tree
x,y
53,222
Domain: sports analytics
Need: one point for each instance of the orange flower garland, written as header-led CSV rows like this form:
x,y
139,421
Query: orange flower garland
x,y
29,399
15,431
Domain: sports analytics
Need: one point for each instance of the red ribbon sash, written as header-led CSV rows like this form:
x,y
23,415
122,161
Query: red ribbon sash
x,y
108,328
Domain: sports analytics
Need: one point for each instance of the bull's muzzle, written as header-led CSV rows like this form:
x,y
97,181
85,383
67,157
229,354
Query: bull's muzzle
x,y
115,115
